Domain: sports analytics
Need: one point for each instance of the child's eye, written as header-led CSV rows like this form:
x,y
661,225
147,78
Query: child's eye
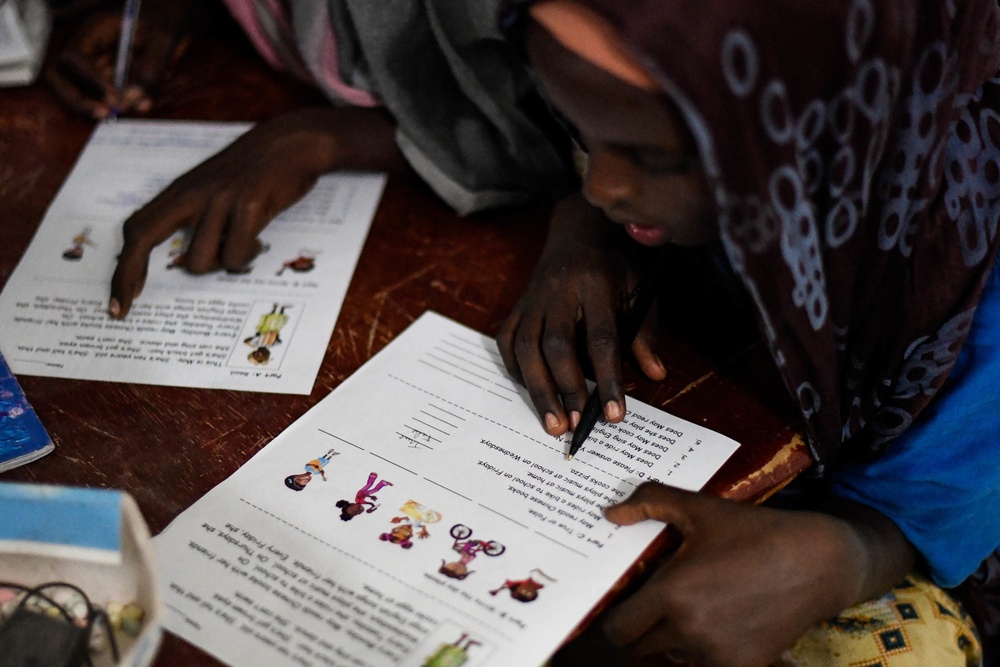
x,y
660,161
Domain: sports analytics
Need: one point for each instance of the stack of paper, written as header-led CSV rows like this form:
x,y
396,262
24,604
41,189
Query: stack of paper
x,y
24,33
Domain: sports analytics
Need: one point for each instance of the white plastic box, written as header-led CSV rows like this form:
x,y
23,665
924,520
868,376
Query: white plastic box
x,y
95,539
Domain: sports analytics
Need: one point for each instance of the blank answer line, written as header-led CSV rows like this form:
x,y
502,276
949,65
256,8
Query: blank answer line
x,y
493,370
50,364
337,437
448,489
475,348
506,398
436,407
439,419
392,462
564,546
454,365
449,374
486,507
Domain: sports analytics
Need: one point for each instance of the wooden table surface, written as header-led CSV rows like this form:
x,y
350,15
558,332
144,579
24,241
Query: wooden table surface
x,y
168,446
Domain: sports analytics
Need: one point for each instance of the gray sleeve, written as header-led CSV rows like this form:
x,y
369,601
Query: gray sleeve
x,y
469,118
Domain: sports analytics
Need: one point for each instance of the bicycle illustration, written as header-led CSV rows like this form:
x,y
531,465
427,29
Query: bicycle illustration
x,y
467,549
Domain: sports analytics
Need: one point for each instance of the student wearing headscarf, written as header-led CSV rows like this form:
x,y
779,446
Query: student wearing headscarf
x,y
844,157
841,156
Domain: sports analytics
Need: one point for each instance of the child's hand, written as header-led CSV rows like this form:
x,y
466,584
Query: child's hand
x,y
574,296
746,581
82,74
228,199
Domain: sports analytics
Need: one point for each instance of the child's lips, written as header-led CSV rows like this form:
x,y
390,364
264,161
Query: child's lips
x,y
650,235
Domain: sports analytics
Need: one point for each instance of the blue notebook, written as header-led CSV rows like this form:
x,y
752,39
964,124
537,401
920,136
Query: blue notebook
x,y
22,436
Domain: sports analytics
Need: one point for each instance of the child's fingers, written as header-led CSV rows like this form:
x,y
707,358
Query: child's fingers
x,y
78,87
505,345
538,380
658,502
206,243
145,229
241,244
518,344
644,349
133,98
128,281
604,350
559,349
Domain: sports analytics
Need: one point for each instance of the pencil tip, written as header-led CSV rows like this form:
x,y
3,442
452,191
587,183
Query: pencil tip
x,y
569,457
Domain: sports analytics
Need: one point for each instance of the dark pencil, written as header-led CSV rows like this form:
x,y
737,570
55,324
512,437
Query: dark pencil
x,y
593,409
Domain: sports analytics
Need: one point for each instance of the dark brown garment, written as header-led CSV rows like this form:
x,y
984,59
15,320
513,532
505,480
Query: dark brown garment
x,y
854,151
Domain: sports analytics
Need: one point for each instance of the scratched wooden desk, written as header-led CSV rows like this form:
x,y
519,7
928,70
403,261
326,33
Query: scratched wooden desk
x,y
169,446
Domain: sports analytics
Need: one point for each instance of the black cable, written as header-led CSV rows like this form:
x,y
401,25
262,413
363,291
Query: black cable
x,y
93,615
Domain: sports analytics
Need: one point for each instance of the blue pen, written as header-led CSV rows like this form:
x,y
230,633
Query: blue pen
x,y
130,18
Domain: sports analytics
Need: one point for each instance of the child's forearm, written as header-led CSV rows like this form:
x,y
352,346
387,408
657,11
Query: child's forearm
x,y
346,138
879,549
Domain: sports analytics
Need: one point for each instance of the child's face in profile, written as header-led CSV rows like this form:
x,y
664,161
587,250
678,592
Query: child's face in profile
x,y
643,170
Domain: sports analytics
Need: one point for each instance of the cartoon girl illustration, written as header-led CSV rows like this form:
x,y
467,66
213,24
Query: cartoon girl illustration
x,y
314,467
75,252
452,655
524,590
266,335
364,498
268,328
468,550
416,520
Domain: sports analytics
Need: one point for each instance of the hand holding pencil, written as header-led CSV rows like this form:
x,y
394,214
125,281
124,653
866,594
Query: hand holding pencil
x,y
632,323
570,312
111,63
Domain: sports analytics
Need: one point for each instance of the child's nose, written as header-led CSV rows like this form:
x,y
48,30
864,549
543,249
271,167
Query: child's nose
x,y
609,180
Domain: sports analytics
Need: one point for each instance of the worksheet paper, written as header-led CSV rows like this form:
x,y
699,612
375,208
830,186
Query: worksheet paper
x,y
263,329
419,515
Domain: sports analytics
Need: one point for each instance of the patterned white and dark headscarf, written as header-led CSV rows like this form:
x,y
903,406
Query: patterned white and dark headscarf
x,y
853,148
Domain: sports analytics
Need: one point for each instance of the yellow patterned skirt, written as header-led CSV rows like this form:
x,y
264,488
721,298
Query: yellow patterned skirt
x,y
916,624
